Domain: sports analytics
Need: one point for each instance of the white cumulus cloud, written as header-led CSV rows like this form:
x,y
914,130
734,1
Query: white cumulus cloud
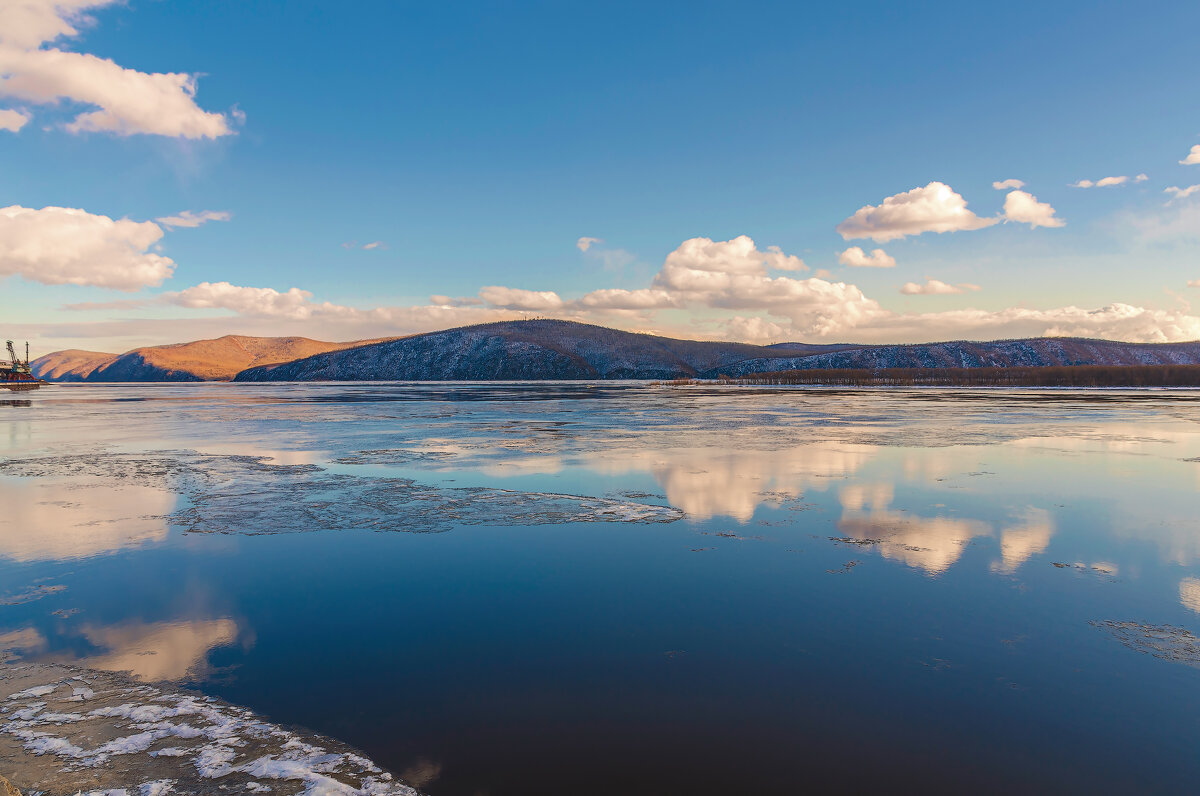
x,y
12,121
618,299
935,287
1193,157
585,243
729,257
757,329
1004,185
255,301
125,101
511,298
857,258
734,274
1024,208
62,245
190,219
933,208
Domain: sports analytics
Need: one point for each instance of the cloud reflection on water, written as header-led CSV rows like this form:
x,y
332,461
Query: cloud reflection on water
x,y
934,544
25,641
154,651
150,651
1189,594
48,521
708,482
928,543
1023,542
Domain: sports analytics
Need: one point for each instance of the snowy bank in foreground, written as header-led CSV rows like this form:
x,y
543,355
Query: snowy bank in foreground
x,y
65,730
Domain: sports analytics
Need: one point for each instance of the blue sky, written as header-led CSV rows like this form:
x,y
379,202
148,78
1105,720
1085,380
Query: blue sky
x,y
477,143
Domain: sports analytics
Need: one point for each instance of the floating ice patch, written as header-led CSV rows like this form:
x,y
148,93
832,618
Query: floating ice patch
x,y
1167,642
250,495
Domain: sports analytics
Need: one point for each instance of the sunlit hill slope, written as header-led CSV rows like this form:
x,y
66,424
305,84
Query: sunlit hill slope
x,y
202,360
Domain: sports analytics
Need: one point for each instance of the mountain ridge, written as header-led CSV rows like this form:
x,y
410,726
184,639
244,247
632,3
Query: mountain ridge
x,y
548,349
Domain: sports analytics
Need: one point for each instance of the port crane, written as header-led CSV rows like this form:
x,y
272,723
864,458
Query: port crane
x,y
18,375
17,365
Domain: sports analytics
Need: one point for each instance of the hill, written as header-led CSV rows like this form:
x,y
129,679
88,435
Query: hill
x,y
552,349
514,350
202,360
69,365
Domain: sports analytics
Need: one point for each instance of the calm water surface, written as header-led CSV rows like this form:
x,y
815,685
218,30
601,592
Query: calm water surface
x,y
549,589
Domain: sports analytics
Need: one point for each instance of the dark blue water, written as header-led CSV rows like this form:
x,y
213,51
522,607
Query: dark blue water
x,y
632,589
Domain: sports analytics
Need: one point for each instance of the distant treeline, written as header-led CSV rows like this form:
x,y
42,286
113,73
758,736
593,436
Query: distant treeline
x,y
1054,376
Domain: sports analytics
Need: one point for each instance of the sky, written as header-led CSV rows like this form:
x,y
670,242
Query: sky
x,y
769,172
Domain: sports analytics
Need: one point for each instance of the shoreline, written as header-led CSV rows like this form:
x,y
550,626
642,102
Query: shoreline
x,y
68,730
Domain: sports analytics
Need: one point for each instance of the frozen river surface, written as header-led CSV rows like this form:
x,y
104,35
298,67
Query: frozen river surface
x,y
621,588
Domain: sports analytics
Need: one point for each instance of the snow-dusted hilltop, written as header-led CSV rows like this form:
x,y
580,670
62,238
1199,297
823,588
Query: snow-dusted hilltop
x,y
552,349
1033,352
513,350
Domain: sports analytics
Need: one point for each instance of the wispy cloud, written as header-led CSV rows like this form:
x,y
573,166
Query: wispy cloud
x,y
1108,182
1178,193
123,304
1176,223
585,243
935,287
189,219
1004,185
